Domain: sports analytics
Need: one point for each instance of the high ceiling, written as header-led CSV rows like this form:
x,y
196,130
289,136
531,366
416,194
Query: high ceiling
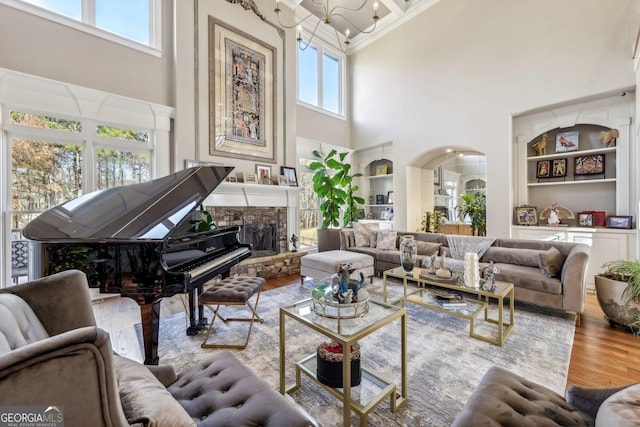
x,y
357,16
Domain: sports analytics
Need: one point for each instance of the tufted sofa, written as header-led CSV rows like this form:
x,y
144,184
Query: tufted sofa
x,y
52,355
549,274
505,399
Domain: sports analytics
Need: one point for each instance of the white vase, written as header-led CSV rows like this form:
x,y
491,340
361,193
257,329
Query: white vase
x,y
471,270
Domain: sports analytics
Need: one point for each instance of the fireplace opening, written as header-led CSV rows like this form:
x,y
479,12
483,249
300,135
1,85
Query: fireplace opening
x,y
263,238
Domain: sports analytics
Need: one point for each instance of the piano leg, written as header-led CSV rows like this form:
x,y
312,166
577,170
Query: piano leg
x,y
196,325
150,316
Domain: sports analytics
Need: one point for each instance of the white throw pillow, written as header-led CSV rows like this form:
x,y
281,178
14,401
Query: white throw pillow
x,y
387,240
363,233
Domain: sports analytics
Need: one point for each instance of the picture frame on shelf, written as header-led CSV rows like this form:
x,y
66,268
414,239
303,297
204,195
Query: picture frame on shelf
x,y
232,179
526,215
567,141
290,173
379,199
282,180
592,164
436,176
543,169
585,219
264,173
559,168
619,221
390,197
381,170
250,178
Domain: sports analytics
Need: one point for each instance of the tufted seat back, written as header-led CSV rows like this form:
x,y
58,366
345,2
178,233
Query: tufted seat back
x,y
19,325
222,391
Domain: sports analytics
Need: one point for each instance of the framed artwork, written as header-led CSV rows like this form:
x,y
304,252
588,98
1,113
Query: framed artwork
x,y
619,221
436,176
390,197
264,174
379,199
543,169
567,141
585,219
589,165
282,180
250,178
381,170
290,174
526,215
232,179
559,167
241,95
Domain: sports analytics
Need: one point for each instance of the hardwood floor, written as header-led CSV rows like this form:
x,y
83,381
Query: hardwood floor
x,y
602,355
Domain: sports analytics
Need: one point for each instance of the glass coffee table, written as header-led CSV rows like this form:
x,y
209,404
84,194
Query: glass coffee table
x,y
425,297
347,330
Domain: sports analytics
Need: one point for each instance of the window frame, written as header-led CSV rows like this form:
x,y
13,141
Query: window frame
x,y
323,48
88,25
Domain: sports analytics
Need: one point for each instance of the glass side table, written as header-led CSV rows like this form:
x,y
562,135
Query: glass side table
x,y
347,331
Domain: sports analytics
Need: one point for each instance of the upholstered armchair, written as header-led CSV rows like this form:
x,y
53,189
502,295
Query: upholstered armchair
x,y
53,355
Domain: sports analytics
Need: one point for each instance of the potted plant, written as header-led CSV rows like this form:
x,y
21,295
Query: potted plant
x,y
618,293
474,205
333,183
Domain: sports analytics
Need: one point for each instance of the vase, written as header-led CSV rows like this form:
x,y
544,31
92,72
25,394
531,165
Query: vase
x,y
408,253
471,270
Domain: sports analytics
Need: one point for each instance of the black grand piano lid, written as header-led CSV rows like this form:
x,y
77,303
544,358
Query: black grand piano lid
x,y
149,210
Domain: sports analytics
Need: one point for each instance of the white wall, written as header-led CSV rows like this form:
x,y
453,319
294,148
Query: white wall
x,y
456,74
37,46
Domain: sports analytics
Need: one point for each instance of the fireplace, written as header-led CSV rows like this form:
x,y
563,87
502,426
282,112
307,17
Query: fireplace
x,y
263,237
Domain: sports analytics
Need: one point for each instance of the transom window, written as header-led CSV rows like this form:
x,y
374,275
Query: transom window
x,y
136,20
321,78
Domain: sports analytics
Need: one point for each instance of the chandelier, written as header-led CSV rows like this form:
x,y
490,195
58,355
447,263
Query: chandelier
x,y
328,14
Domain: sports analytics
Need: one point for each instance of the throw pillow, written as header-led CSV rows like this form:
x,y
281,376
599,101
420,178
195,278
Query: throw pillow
x,y
362,233
387,240
427,248
551,261
144,399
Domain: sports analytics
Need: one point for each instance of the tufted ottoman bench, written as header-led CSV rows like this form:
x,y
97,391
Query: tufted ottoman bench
x,y
505,399
232,291
324,264
223,391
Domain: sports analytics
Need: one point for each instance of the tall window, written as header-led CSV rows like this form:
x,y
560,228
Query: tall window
x,y
321,78
136,20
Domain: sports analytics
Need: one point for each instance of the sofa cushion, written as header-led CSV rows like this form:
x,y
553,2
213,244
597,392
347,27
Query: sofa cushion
x,y
427,248
386,240
529,278
527,257
19,325
363,233
551,261
144,399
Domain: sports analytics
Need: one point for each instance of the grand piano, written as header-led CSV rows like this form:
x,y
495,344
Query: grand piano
x,y
137,240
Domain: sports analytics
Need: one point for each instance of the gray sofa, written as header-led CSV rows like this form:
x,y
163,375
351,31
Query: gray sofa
x,y
52,354
540,275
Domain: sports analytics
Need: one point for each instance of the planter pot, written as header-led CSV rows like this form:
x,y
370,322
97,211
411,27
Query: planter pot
x,y
328,239
613,302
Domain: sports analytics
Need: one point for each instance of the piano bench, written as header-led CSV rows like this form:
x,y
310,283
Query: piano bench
x,y
232,291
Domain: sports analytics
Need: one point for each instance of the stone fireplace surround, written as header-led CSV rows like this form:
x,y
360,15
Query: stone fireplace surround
x,y
238,204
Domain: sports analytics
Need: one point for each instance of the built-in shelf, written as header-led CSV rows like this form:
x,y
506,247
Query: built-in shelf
x,y
579,182
379,176
575,153
386,205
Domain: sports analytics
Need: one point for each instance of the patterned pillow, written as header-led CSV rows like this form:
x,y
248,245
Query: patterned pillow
x,y
551,261
387,240
427,248
363,233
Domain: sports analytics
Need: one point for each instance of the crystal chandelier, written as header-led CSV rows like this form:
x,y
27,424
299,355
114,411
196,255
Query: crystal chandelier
x,y
328,14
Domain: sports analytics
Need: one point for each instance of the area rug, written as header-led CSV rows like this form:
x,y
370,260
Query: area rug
x,y
444,363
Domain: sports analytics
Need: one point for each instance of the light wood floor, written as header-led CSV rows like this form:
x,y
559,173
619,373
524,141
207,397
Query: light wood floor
x,y
602,356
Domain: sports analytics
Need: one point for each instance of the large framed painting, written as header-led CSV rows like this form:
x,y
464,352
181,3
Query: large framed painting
x,y
241,95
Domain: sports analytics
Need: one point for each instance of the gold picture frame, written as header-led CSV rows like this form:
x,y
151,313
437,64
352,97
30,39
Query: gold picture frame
x,y
241,95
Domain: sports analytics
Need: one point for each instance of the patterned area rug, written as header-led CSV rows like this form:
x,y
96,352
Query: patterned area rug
x,y
444,363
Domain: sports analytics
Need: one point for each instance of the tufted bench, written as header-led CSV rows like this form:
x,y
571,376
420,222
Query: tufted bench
x,y
232,291
223,391
505,399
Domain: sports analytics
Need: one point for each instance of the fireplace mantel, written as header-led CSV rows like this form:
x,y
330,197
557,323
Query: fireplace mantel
x,y
231,194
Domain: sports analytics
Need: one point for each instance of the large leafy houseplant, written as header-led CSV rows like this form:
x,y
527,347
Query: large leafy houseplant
x,y
333,183
618,292
474,205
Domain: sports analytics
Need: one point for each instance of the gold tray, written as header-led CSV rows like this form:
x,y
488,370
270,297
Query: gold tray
x,y
325,305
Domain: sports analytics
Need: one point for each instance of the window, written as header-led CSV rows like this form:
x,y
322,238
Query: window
x,y
117,20
321,78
